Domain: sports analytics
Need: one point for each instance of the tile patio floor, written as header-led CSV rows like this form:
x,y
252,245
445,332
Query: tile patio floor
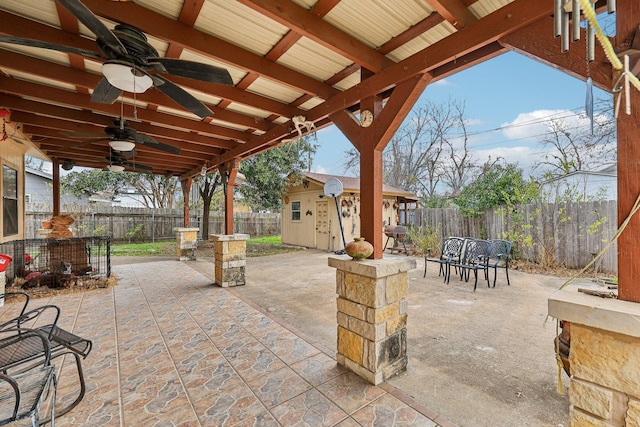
x,y
171,349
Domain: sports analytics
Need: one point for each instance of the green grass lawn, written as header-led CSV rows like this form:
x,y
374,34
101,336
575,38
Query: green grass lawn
x,y
260,246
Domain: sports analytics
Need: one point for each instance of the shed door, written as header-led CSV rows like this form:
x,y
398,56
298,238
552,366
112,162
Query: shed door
x,y
322,224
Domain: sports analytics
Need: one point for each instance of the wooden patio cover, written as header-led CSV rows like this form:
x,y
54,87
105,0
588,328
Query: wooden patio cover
x,y
326,60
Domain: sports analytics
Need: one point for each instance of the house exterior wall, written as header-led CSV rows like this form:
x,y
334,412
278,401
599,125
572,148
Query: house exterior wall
x,y
12,155
302,232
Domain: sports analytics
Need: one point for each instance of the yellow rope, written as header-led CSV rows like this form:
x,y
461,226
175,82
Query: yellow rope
x,y
590,14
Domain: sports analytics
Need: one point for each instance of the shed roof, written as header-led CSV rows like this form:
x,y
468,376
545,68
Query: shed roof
x,y
353,184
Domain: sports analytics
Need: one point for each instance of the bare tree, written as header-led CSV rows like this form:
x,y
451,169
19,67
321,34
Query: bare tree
x,y
208,186
574,148
157,191
425,155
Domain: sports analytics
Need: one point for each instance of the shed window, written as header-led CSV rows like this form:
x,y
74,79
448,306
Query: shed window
x,y
9,201
295,211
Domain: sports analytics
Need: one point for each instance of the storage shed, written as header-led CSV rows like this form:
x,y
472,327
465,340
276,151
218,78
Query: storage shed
x,y
312,220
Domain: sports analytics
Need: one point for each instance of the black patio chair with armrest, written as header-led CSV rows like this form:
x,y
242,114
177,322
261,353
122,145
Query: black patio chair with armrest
x,y
450,252
475,257
61,341
24,389
499,258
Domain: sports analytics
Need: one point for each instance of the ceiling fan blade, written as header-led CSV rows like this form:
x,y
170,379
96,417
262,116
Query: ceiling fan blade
x,y
46,45
104,34
183,98
105,93
148,141
83,143
195,70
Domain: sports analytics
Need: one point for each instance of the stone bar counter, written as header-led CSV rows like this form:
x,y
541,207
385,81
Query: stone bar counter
x,y
372,315
604,356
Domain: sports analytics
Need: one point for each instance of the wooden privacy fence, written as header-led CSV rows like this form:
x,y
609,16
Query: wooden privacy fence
x,y
146,225
561,234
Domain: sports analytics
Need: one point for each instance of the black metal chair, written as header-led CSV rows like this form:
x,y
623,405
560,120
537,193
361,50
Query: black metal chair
x,y
23,389
499,258
61,341
475,257
450,253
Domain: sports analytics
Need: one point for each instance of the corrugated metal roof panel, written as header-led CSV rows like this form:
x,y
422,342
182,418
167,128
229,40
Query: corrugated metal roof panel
x,y
482,8
42,10
237,74
423,41
274,90
249,111
374,22
348,82
306,56
169,8
239,25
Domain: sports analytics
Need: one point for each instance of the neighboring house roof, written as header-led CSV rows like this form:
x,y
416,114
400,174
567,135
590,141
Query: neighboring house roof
x,y
38,173
353,184
610,170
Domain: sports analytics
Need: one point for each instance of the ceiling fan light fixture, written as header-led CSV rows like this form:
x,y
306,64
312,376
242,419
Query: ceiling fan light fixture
x,y
122,145
115,168
126,78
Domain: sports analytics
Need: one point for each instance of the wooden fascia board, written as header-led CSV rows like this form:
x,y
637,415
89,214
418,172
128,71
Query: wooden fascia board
x,y
535,42
60,96
173,31
311,26
481,33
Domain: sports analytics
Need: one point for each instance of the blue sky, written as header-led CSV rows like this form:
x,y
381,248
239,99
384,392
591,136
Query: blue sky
x,y
501,92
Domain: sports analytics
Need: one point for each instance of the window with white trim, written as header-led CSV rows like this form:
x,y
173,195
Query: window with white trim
x,y
9,201
295,211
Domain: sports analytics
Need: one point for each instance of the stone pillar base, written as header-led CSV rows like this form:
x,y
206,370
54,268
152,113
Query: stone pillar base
x,y
372,315
604,356
186,243
230,258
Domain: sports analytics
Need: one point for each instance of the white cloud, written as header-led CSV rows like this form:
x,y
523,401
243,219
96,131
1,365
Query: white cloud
x,y
443,82
320,169
532,126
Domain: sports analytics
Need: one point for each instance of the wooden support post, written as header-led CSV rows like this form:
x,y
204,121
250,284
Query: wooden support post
x,y
228,172
56,187
186,192
370,141
627,20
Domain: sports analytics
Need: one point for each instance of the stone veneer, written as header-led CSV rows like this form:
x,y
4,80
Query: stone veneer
x,y
230,253
186,243
372,315
605,358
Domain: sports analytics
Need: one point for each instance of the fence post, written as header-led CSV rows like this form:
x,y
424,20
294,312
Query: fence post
x,y
153,226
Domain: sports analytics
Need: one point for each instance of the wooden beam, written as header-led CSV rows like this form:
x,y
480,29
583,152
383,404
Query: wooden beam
x,y
627,19
60,96
56,186
534,41
175,32
453,11
311,26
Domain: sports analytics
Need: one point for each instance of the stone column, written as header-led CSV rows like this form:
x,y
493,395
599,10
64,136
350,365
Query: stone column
x,y
230,258
604,357
186,243
372,315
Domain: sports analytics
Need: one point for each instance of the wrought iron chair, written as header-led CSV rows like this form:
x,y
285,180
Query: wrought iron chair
x,y
450,253
475,257
499,258
61,341
24,389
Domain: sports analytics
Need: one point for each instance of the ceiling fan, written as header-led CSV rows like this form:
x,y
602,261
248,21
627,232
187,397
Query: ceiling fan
x,y
122,138
118,162
132,64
